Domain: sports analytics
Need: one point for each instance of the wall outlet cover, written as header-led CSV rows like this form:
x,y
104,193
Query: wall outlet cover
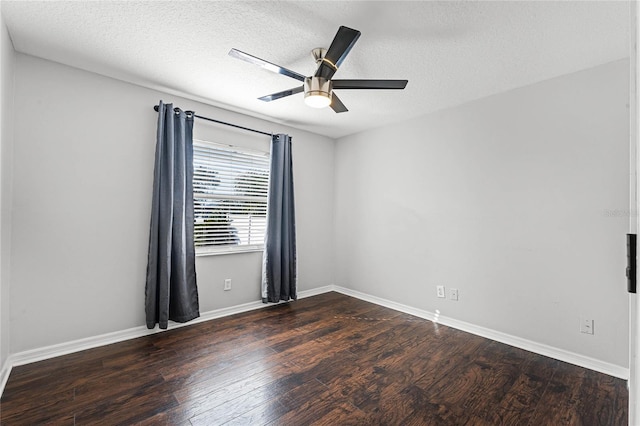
x,y
586,325
453,293
440,291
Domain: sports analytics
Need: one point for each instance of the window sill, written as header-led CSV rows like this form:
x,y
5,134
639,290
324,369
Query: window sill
x,y
228,250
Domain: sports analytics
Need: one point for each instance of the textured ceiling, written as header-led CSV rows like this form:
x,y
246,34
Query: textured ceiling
x,y
451,52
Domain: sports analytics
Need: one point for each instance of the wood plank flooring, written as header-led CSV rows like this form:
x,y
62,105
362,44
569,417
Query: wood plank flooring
x,y
328,360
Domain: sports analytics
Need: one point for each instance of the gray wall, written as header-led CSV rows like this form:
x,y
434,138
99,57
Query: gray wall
x,y
509,200
6,143
83,168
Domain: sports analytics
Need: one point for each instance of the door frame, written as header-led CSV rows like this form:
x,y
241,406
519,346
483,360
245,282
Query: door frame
x,y
634,209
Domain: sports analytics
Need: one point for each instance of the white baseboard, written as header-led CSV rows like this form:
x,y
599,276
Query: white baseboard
x,y
4,373
39,354
528,345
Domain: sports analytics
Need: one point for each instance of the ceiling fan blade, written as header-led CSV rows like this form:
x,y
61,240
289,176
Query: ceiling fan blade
x,y
336,104
265,64
284,93
369,84
340,47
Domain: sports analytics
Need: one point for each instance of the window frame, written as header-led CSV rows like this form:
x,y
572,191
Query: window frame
x,y
228,248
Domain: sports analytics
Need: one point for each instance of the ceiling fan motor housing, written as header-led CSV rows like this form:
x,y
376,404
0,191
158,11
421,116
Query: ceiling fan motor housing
x,y
317,86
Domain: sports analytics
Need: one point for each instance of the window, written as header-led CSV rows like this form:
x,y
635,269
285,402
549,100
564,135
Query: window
x,y
230,198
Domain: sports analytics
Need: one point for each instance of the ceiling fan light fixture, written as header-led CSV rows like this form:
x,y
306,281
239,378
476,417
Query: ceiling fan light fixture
x,y
317,92
320,100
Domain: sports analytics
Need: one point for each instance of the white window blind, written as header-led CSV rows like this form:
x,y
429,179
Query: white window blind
x,y
230,197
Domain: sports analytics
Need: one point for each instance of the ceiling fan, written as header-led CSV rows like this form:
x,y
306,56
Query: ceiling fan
x,y
318,88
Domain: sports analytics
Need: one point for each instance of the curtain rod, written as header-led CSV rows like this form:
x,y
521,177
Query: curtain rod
x,y
221,122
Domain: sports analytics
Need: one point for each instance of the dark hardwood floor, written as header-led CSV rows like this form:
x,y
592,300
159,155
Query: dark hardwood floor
x,y
329,359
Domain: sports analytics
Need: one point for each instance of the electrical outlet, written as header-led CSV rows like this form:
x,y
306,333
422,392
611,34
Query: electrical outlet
x,y
453,293
227,284
586,325
440,290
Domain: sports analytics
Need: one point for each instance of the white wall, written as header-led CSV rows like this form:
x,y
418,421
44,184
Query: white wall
x,y
506,199
6,142
83,167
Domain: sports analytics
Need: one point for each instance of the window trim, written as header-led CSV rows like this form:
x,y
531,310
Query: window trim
x,y
214,251
229,249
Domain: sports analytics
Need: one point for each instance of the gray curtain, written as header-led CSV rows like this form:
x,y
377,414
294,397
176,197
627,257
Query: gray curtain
x,y
279,278
171,292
